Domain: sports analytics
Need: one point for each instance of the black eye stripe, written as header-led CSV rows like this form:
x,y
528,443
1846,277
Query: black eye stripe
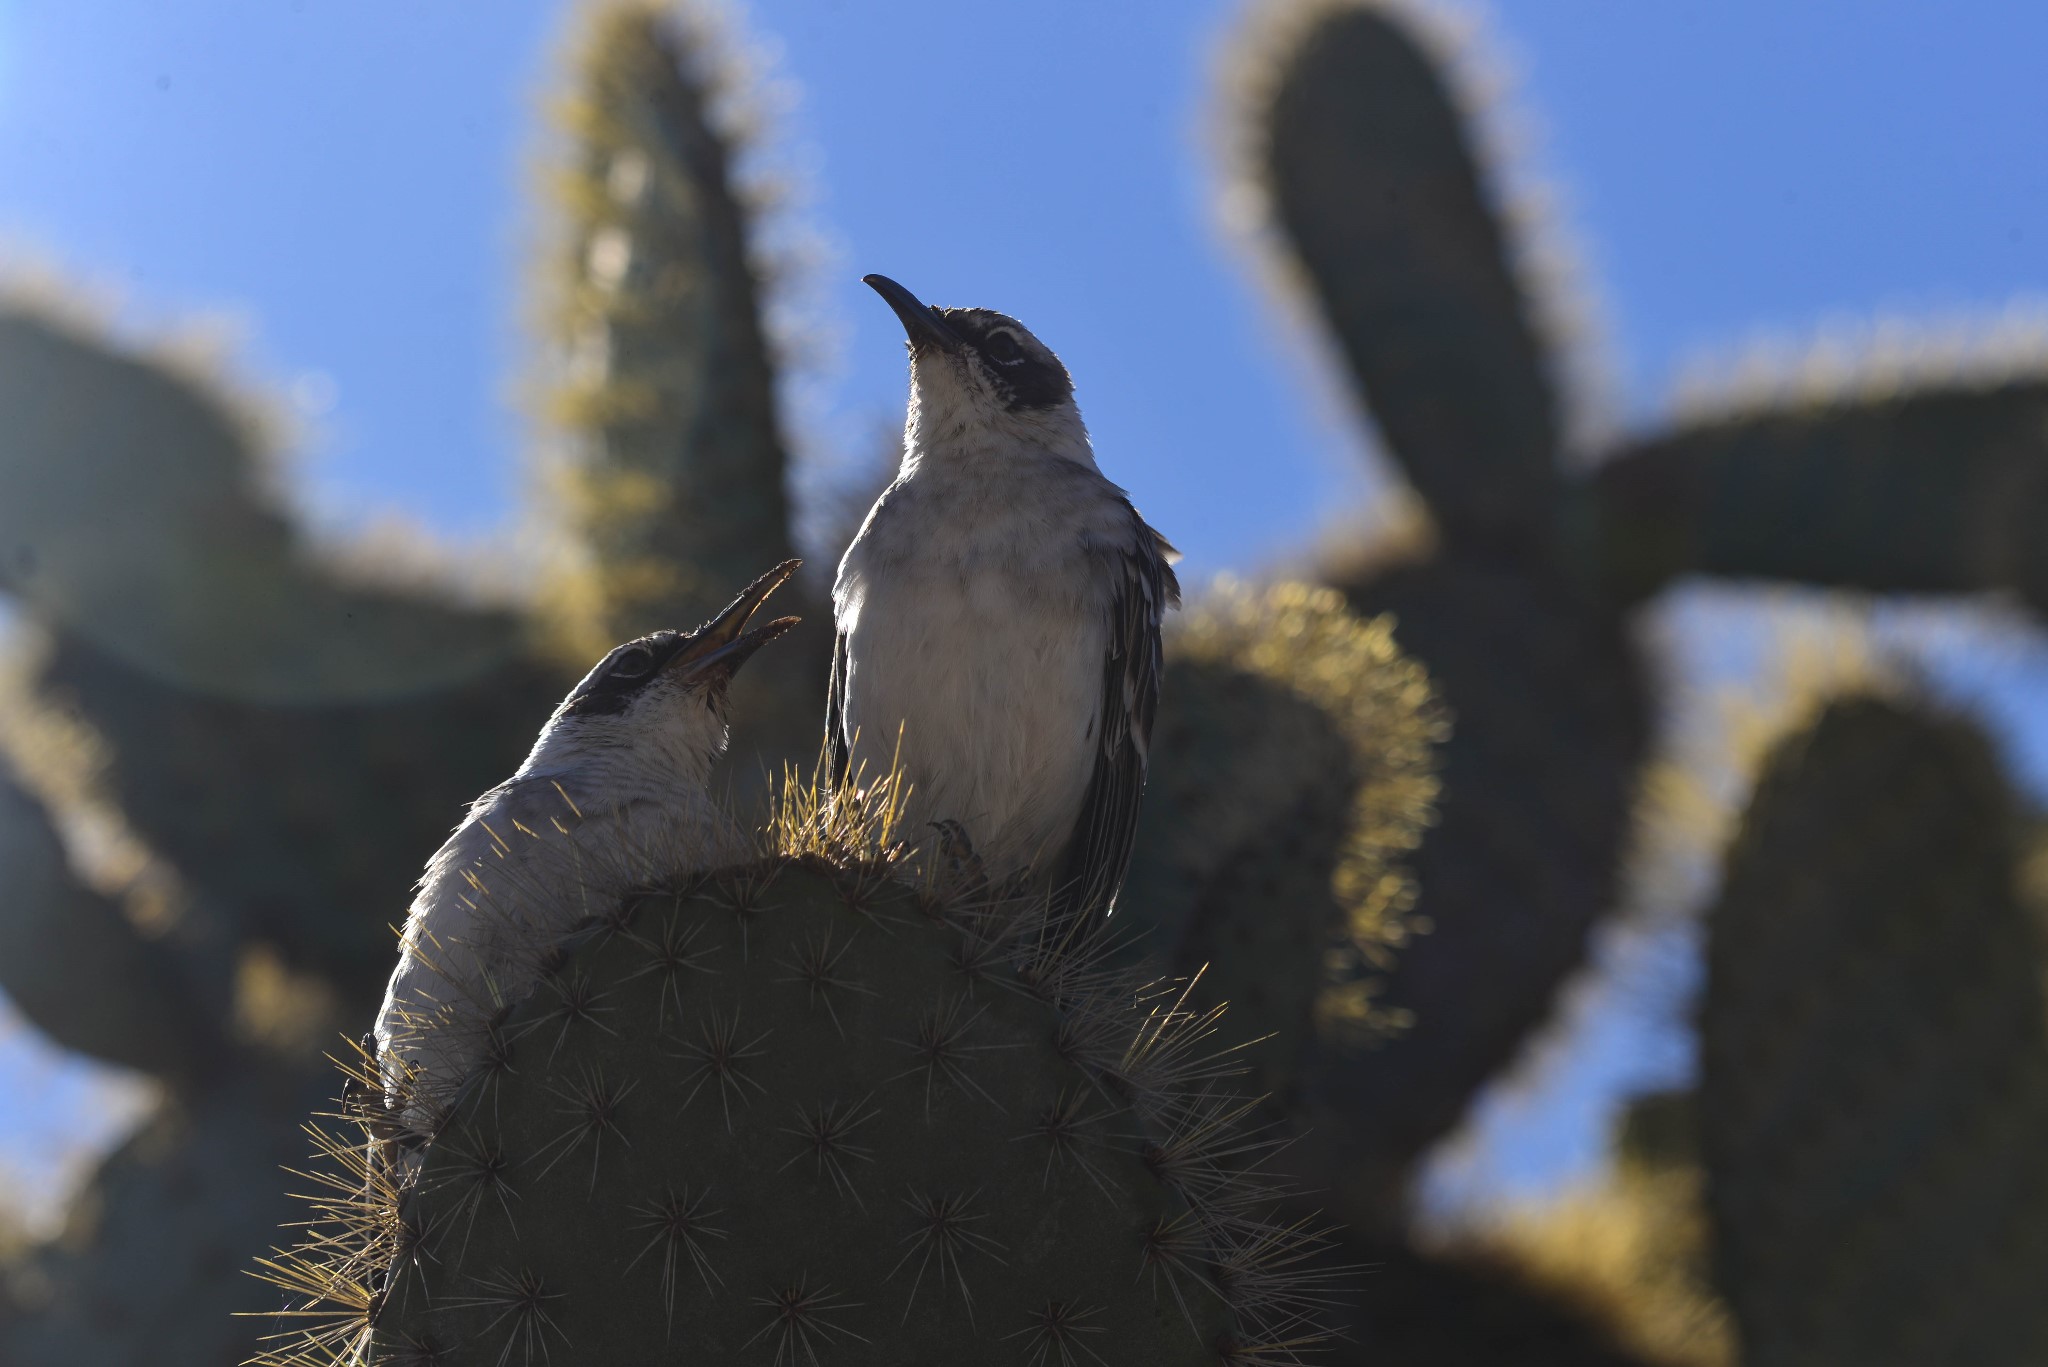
x,y
1026,378
622,676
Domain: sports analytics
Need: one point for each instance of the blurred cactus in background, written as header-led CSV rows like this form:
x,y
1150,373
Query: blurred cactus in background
x,y
1356,144
285,735
671,484
230,747
1355,148
1873,1101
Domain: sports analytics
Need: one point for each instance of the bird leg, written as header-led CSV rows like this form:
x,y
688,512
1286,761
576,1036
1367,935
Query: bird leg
x,y
958,869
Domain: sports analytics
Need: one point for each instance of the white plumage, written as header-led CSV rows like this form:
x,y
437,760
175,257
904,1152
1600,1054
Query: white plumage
x,y
999,613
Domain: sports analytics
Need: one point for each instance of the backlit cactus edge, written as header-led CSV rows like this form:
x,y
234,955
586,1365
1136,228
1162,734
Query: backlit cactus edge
x,y
280,737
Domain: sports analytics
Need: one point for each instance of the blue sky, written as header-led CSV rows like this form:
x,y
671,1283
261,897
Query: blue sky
x,y
351,183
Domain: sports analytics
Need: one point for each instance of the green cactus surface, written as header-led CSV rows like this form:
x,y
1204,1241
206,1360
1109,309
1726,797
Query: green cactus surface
x,y
668,481
675,486
156,1025
1551,723
797,1112
1365,159
1294,774
1873,1106
1352,134
1940,487
1358,134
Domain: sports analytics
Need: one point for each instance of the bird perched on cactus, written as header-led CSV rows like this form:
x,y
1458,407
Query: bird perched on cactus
x,y
998,614
619,773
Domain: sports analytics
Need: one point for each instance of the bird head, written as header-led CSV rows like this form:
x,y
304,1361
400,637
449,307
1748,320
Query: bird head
x,y
661,698
979,379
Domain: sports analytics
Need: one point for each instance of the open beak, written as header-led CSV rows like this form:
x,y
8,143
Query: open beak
x,y
922,325
724,643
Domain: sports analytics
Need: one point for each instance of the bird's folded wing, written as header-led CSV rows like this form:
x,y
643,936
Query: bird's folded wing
x,y
838,746
1099,853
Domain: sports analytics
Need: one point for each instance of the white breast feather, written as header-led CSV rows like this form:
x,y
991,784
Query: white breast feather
x,y
982,634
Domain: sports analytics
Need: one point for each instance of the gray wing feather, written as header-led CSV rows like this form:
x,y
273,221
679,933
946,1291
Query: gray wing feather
x,y
1099,853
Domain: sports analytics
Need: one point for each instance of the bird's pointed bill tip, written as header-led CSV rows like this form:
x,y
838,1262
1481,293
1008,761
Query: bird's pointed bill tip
x,y
921,323
732,620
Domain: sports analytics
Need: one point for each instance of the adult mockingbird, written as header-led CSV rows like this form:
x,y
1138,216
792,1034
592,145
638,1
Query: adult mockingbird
x,y
998,616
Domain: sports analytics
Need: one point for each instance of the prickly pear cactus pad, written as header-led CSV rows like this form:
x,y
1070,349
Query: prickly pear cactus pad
x,y
795,1114
1874,1054
1294,771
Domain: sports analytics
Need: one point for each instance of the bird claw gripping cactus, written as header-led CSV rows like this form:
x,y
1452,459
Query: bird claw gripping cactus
x,y
1873,1103
798,1112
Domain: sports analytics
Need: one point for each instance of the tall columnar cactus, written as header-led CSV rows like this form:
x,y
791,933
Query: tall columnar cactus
x,y
1873,1106
671,477
1351,132
800,1112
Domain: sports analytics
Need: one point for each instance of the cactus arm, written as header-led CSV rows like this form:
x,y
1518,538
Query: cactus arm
x,y
303,826
135,512
1550,703
1939,490
1368,170
1293,776
75,966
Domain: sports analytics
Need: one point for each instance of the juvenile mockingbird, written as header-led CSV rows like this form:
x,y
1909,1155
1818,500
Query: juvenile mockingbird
x,y
612,797
999,612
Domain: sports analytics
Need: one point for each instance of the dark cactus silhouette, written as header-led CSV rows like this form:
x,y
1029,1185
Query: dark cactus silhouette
x,y
802,1109
275,733
1386,223
1873,1105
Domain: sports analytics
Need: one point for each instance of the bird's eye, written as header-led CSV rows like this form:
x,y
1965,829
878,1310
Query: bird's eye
x,y
632,663
1001,347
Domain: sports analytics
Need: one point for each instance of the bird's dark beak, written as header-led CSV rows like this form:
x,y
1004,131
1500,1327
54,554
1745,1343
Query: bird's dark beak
x,y
922,325
724,643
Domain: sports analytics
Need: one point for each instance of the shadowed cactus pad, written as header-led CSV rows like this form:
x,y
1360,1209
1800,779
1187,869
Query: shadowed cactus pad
x,y
794,1116
1293,770
1874,1082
